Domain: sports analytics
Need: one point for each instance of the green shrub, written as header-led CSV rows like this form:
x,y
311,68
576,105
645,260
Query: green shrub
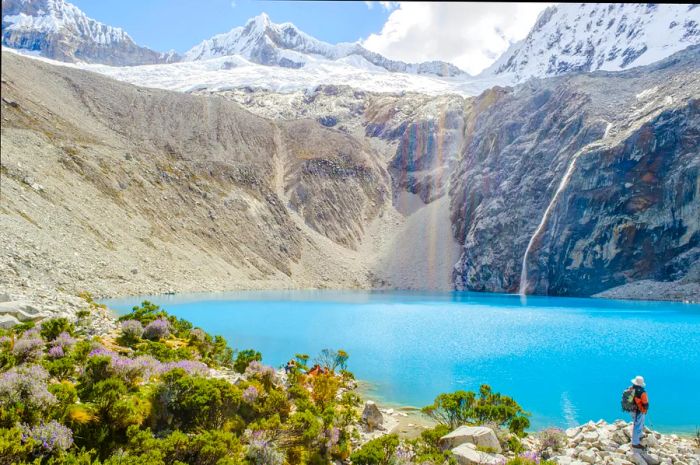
x,y
60,368
50,329
191,403
468,407
244,358
12,448
378,451
162,352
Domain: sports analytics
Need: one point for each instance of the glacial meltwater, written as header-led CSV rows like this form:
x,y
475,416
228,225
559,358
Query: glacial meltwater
x,y
566,360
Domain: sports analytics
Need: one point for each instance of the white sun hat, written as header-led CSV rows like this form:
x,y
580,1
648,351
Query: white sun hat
x,y
639,381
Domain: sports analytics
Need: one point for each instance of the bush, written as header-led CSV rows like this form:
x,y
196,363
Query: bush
x,y
244,358
378,451
157,329
51,329
49,437
24,395
468,407
191,402
261,450
550,440
28,347
162,352
132,330
323,389
12,448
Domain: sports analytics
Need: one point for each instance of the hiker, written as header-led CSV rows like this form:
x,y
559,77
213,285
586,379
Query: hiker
x,y
315,370
290,366
641,401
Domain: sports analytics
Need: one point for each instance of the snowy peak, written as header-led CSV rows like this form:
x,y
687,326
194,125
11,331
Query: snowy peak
x,y
52,16
264,42
60,30
599,36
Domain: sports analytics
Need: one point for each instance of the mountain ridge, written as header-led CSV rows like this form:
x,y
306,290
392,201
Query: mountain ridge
x,y
264,42
58,29
586,37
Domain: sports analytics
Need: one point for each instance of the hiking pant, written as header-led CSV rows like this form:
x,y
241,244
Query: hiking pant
x,y
637,427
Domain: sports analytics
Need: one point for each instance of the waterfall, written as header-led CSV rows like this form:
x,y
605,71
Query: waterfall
x,y
522,289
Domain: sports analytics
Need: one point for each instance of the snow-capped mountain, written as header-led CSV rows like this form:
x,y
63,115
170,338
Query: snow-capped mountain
x,y
264,42
599,36
59,30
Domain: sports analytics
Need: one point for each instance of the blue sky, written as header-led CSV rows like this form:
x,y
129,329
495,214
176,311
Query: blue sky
x,y
180,24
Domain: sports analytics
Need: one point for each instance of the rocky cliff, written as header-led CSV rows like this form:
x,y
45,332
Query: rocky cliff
x,y
571,186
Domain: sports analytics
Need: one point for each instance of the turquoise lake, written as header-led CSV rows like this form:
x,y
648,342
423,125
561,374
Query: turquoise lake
x,y
566,360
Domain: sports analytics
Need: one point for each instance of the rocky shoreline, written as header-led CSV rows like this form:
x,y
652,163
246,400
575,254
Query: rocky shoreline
x,y
591,443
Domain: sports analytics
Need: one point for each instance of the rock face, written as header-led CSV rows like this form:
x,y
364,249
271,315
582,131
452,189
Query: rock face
x,y
570,186
59,30
371,416
479,436
583,37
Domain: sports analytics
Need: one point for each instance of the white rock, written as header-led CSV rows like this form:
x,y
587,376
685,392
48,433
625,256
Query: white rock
x,y
588,456
477,435
465,454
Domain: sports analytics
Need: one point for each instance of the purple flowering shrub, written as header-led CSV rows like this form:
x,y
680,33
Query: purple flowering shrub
x,y
261,450
157,329
551,440
132,330
64,340
56,352
264,373
250,394
29,346
24,394
144,367
50,437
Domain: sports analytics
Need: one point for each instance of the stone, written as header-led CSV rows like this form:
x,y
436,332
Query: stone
x,y
371,416
649,440
651,459
588,456
636,458
478,435
8,321
563,460
466,454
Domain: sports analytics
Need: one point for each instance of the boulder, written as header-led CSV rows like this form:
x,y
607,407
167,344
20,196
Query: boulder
x,y
8,321
651,459
588,456
371,416
636,458
477,435
466,454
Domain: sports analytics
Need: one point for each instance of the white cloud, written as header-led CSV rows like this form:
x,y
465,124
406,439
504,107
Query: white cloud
x,y
470,35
